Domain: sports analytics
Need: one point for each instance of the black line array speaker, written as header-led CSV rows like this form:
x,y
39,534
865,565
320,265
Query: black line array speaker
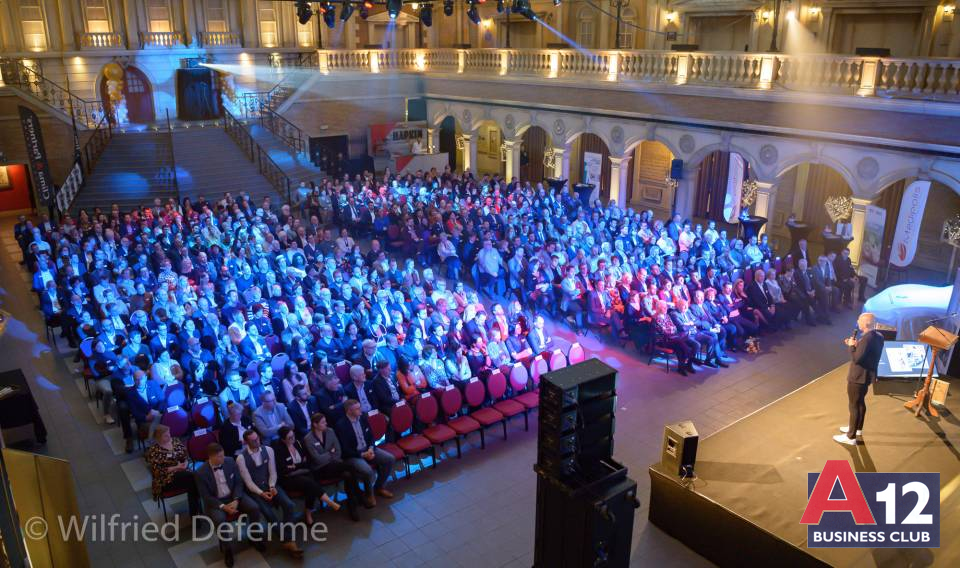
x,y
676,168
585,501
679,452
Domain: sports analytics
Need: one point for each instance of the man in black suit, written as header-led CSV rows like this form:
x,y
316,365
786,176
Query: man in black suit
x,y
301,408
538,338
864,359
222,493
231,432
361,390
330,399
384,390
799,251
373,464
759,299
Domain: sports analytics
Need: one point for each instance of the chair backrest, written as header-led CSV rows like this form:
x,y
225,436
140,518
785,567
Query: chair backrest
x,y
450,400
393,231
278,363
177,420
203,413
575,354
86,347
474,392
401,417
378,424
557,360
427,408
174,395
496,385
273,344
252,371
519,377
342,370
197,444
537,368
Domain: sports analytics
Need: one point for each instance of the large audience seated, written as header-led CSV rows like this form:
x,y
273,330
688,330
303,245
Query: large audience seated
x,y
283,337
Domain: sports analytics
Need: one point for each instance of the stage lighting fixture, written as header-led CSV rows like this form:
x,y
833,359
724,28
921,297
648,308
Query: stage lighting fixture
x,y
522,7
473,14
346,11
365,9
447,7
393,8
557,2
426,15
329,15
500,6
304,13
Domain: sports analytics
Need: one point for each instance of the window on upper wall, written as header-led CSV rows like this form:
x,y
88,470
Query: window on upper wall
x,y
216,15
96,14
305,34
158,15
585,27
628,19
31,21
268,24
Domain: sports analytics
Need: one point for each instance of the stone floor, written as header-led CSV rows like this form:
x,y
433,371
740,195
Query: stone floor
x,y
478,511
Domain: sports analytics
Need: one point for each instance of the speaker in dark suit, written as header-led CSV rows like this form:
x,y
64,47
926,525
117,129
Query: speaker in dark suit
x,y
223,495
865,356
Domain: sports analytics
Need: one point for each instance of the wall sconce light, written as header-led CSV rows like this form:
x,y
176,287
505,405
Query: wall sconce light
x,y
814,11
671,17
948,12
791,15
765,15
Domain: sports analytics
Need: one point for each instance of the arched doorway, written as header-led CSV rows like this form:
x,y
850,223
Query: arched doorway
x,y
488,139
590,163
800,211
648,179
935,260
137,92
719,173
533,145
447,141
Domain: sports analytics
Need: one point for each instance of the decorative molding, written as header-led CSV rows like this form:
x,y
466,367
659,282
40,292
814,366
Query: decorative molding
x,y
616,135
467,118
687,144
868,167
559,128
769,154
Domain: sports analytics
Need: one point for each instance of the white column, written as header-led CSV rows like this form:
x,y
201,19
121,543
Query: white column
x,y
512,167
765,203
857,223
469,152
431,140
561,163
619,172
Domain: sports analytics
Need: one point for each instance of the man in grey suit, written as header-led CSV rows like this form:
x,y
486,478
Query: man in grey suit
x,y
223,496
864,359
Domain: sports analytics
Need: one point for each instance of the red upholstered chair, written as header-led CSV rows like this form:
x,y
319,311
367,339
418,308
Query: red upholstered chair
x,y
428,410
273,344
378,426
451,402
519,383
198,442
537,369
204,413
401,420
557,360
342,370
177,420
86,352
497,388
174,395
252,372
278,362
575,354
475,394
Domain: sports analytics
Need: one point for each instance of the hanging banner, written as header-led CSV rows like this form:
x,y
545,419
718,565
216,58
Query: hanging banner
x,y
70,188
731,202
592,168
872,246
37,155
904,246
396,138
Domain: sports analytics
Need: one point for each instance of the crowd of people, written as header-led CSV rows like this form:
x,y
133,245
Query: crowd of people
x,y
372,271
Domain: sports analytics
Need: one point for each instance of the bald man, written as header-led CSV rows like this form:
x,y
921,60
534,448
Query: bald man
x,y
864,358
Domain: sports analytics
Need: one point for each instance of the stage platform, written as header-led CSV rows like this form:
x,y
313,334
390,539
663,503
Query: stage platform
x,y
744,507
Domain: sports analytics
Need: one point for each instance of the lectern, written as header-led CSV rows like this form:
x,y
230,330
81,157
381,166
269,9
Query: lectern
x,y
939,340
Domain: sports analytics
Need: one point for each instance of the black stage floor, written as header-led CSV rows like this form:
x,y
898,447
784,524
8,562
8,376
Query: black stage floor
x,y
744,508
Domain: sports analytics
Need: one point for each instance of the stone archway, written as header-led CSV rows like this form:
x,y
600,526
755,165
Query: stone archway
x,y
488,138
534,142
584,168
649,169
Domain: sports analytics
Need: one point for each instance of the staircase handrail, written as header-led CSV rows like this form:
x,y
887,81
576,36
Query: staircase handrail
x,y
31,80
265,164
89,154
288,132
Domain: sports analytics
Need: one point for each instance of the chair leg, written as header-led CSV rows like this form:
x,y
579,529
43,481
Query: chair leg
x,y
504,428
483,439
433,451
526,420
459,454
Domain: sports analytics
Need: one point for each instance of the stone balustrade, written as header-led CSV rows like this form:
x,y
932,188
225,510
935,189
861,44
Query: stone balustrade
x,y
218,39
99,40
929,79
161,39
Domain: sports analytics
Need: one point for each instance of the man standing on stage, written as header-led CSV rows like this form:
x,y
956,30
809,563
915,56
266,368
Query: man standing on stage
x,y
864,359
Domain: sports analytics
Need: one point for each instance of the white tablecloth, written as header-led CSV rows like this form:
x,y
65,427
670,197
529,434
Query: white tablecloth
x,y
909,307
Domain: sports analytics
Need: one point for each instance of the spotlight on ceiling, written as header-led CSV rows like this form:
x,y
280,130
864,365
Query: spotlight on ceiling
x,y
393,8
557,2
304,13
346,11
500,6
426,15
447,7
329,12
473,14
522,7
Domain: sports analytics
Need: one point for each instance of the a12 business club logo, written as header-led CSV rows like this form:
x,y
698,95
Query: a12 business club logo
x,y
871,510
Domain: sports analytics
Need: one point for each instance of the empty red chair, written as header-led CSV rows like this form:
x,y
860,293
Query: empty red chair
x,y
197,444
177,420
401,420
519,378
475,394
575,354
174,395
342,370
497,388
273,344
252,372
428,409
451,402
378,426
537,369
204,413
557,360
278,362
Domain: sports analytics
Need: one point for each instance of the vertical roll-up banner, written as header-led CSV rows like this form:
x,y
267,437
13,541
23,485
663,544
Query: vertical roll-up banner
x,y
908,223
37,156
731,202
872,247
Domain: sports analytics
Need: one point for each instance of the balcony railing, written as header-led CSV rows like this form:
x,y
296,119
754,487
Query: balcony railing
x,y
219,39
31,81
927,78
161,39
99,40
